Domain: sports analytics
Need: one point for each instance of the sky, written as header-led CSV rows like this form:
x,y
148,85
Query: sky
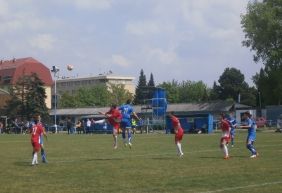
x,y
173,39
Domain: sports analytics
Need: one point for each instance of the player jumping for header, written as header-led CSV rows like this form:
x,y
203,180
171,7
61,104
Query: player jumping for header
x,y
127,111
178,133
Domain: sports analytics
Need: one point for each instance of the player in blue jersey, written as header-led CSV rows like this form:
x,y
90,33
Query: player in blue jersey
x,y
233,124
250,124
127,113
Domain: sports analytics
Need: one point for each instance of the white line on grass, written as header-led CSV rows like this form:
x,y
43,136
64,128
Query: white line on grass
x,y
244,187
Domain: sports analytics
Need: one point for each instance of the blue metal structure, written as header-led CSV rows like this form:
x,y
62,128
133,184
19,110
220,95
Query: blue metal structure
x,y
193,123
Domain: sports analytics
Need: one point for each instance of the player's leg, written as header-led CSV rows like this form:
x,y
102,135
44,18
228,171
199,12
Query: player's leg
x,y
250,146
232,137
123,126
43,154
223,146
129,136
36,148
178,139
115,135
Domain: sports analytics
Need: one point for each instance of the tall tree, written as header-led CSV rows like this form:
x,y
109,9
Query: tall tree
x,y
263,28
141,91
232,85
151,86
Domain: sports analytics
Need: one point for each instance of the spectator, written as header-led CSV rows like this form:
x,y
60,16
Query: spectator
x,y
69,125
88,125
78,127
1,127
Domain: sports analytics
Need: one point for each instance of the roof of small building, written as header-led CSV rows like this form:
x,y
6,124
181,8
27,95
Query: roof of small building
x,y
208,107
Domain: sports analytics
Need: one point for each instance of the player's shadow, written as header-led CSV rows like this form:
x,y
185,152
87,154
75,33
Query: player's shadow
x,y
217,157
22,164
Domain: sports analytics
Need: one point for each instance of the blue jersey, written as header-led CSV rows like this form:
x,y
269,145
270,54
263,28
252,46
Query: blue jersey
x,y
233,124
251,130
126,111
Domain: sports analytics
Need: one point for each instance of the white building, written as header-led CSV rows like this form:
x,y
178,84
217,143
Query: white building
x,y
72,84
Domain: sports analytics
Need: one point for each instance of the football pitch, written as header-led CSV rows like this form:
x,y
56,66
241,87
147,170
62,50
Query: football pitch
x,y
88,163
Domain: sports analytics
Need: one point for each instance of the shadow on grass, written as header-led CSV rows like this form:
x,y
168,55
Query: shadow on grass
x,y
217,157
22,163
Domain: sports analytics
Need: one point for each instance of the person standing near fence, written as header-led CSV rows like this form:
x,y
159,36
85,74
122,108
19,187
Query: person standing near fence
x,y
178,131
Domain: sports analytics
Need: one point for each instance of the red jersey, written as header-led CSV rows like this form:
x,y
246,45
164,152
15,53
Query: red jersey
x,y
177,128
36,131
175,122
114,118
225,125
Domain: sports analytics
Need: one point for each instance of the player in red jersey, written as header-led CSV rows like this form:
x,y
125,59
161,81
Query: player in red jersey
x,y
114,118
225,138
36,131
178,133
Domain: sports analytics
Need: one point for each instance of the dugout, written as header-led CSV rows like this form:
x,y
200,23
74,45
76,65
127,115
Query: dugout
x,y
192,123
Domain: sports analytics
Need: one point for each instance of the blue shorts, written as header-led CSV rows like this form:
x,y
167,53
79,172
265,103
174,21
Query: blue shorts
x,y
125,123
232,132
251,138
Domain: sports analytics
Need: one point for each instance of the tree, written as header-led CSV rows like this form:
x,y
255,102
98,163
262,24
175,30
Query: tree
x,y
192,91
263,28
186,91
141,91
67,101
151,86
28,98
231,84
172,91
119,94
98,95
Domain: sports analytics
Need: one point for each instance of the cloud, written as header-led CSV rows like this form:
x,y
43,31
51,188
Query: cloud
x,y
92,4
142,28
4,8
163,57
43,41
120,60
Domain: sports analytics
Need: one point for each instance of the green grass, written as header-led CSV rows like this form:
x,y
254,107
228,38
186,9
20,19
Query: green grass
x,y
84,163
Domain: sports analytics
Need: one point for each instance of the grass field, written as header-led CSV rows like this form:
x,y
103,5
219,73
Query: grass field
x,y
87,163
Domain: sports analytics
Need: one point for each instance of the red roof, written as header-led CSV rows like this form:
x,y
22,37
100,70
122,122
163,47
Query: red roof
x,y
12,70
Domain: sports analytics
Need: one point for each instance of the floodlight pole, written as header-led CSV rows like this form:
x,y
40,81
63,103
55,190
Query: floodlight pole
x,y
55,71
